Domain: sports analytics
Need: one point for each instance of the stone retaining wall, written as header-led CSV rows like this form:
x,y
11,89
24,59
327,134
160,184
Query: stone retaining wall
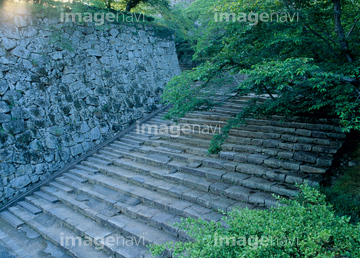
x,y
65,88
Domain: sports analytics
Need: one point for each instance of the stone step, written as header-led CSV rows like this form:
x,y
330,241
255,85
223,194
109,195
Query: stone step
x,y
27,206
23,242
85,168
233,105
131,142
225,111
45,196
61,187
122,146
11,219
55,232
91,230
75,178
197,121
110,154
123,224
160,121
101,161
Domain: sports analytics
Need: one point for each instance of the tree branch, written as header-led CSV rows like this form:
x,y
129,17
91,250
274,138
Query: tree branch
x,y
319,36
353,26
340,31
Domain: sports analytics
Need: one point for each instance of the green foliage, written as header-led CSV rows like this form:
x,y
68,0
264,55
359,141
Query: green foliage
x,y
305,227
305,65
185,96
188,21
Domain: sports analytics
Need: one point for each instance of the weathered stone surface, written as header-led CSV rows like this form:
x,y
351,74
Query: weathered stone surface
x,y
20,182
9,30
273,163
95,134
159,157
57,103
21,52
310,169
258,183
9,43
194,165
3,86
76,150
257,159
251,169
308,157
4,118
238,193
15,126
324,161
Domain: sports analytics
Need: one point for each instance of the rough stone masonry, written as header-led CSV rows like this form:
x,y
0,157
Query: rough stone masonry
x,y
64,88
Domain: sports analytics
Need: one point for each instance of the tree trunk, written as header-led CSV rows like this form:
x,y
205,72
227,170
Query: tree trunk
x,y
344,46
131,4
128,6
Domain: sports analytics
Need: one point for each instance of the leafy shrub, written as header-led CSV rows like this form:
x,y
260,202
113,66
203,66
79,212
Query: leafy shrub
x,y
304,227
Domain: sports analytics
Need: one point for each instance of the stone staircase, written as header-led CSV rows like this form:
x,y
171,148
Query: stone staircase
x,y
132,191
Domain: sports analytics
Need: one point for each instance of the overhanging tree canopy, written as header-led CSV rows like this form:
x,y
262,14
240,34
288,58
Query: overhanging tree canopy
x,y
307,56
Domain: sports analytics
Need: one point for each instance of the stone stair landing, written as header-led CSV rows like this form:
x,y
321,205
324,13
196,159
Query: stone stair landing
x,y
132,192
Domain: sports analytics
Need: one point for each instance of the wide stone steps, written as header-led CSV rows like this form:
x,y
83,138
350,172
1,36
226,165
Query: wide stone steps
x,y
268,126
183,153
188,172
284,141
136,188
152,195
294,132
186,153
297,138
270,155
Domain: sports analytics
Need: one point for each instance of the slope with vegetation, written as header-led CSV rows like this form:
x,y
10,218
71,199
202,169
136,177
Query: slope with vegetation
x,y
308,67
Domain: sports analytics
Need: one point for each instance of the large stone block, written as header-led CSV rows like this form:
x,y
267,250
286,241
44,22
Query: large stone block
x,y
9,30
306,156
20,182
